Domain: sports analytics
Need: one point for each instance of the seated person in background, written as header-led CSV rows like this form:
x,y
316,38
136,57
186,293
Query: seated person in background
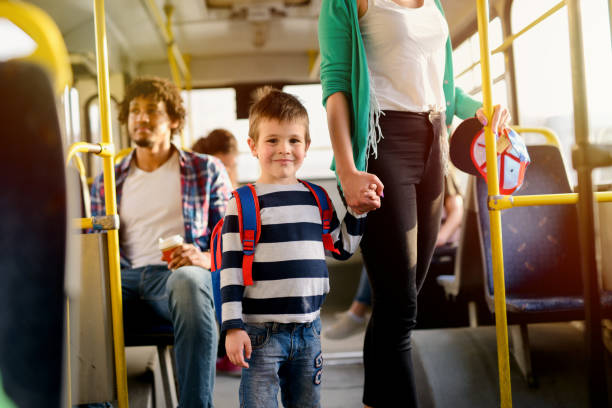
x,y
354,319
163,191
273,326
222,144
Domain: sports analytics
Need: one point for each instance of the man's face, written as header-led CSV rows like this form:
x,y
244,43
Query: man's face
x,y
148,122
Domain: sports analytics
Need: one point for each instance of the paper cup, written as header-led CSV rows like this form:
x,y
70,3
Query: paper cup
x,y
168,245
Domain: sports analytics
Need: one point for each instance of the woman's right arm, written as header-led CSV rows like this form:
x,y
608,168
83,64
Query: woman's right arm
x,y
355,184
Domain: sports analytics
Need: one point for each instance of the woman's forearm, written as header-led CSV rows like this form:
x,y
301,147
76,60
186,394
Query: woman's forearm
x,y
339,123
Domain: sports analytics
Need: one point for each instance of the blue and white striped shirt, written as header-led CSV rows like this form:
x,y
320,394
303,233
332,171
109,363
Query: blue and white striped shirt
x,y
289,270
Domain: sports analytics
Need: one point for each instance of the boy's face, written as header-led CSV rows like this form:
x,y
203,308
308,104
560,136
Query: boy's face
x,y
280,149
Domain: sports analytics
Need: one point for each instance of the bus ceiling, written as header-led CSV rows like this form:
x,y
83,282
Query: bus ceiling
x,y
224,41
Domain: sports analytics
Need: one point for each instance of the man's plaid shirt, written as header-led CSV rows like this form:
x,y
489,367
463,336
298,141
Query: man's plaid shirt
x,y
205,186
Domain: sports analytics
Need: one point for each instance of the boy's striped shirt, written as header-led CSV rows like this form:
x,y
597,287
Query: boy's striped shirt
x,y
289,270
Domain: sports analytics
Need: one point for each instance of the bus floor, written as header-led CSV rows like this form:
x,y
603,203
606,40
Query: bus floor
x,y
456,367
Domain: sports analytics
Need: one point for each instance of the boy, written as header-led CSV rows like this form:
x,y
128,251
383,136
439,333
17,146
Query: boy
x,y
275,322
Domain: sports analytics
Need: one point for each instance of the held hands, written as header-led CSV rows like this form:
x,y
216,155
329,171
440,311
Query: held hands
x,y
189,254
362,191
237,346
499,121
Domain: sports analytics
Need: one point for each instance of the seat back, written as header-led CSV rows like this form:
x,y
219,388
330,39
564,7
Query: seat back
x,y
33,236
468,264
540,243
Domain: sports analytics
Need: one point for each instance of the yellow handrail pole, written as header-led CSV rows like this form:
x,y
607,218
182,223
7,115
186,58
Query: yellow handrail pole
x,y
151,6
550,136
176,75
610,14
504,202
595,351
51,52
111,205
510,39
188,88
501,326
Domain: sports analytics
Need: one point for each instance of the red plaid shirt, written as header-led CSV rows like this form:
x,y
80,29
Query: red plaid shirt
x,y
205,188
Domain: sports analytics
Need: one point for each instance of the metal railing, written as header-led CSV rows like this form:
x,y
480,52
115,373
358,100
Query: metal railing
x,y
585,158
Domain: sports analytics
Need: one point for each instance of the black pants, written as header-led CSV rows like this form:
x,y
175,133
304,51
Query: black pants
x,y
397,246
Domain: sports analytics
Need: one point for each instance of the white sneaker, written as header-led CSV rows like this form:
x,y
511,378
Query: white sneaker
x,y
346,325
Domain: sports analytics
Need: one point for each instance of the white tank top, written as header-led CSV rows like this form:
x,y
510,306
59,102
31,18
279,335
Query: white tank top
x,y
151,208
405,50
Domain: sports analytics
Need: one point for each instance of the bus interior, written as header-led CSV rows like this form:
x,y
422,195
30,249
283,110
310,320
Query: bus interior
x,y
557,341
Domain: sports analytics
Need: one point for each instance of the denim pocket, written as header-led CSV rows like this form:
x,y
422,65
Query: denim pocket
x,y
316,327
259,335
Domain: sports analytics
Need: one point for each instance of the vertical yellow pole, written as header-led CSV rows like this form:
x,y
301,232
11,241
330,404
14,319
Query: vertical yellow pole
x,y
501,324
176,75
111,205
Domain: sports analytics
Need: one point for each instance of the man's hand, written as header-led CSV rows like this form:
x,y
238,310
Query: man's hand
x,y
362,191
189,254
237,345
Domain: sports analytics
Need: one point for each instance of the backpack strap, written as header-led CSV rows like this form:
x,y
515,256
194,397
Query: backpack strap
x,y
326,211
215,266
250,228
215,246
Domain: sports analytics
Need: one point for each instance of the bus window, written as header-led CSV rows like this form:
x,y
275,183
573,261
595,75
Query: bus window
x,y
72,118
216,108
320,154
94,132
544,88
15,42
468,53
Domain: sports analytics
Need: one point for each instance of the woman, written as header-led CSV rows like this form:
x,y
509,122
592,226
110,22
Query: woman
x,y
222,144
387,76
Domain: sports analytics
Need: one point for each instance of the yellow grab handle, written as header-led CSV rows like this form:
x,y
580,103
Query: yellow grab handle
x,y
51,52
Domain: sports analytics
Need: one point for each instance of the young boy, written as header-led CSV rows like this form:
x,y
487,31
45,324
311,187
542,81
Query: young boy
x,y
273,327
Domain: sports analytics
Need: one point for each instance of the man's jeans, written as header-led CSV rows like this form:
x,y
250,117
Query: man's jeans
x,y
285,355
183,297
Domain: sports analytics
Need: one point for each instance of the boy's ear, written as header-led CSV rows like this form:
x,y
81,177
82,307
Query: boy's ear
x,y
307,147
252,146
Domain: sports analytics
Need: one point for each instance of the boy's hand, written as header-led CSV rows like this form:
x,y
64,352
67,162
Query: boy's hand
x,y
372,195
237,345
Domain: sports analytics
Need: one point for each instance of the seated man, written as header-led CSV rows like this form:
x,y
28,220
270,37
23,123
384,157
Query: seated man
x,y
164,191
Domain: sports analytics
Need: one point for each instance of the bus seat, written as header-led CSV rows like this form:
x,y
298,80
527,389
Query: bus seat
x,y
156,332
541,254
467,280
33,238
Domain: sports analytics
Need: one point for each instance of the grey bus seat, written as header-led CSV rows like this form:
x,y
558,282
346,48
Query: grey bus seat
x,y
541,254
143,329
33,238
466,281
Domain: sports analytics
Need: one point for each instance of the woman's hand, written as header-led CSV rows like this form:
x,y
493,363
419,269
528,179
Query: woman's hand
x,y
362,191
500,121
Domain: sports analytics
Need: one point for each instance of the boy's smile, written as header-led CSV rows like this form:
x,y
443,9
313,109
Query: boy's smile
x,y
280,149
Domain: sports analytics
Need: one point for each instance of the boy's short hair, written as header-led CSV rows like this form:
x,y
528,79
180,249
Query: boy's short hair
x,y
270,103
162,90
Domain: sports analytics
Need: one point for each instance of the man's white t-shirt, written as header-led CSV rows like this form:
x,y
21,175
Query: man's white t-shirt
x,y
151,208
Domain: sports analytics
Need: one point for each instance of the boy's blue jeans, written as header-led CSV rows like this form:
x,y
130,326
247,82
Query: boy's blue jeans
x,y
285,356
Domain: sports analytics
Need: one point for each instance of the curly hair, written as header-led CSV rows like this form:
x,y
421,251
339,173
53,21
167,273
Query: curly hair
x,y
162,90
218,141
270,103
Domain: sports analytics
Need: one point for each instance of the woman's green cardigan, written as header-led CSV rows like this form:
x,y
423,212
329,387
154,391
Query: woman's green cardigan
x,y
344,69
